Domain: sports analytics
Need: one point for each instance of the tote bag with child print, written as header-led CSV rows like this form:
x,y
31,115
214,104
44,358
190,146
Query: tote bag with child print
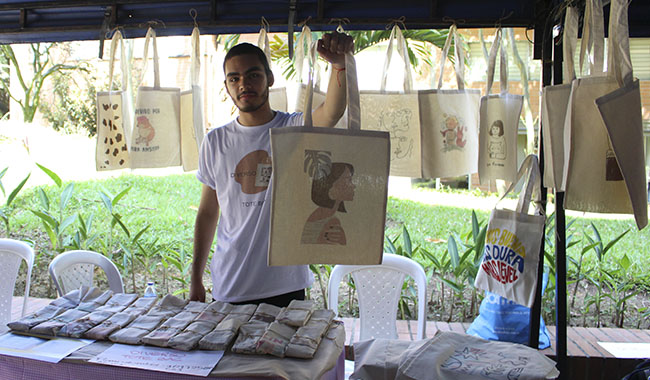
x,y
499,121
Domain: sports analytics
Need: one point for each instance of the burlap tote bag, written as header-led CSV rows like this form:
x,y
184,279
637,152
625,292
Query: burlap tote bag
x,y
594,181
192,129
555,100
155,140
621,113
329,190
499,121
114,113
277,95
397,113
449,121
513,241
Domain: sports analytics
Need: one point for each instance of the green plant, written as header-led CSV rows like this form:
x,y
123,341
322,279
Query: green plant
x,y
55,222
601,279
182,262
7,210
408,294
322,281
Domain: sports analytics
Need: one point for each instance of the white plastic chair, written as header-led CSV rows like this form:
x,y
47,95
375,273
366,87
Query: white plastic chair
x,y
72,269
379,288
12,253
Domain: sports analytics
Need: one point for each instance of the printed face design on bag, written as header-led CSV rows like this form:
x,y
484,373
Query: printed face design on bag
x,y
331,186
503,256
398,123
453,132
253,172
114,144
496,143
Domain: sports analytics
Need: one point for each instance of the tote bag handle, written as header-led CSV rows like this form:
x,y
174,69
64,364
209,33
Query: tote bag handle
x,y
459,57
151,36
619,62
503,63
195,57
352,91
532,187
593,37
117,39
263,40
397,38
569,44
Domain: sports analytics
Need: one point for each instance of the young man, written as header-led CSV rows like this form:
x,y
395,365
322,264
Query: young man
x,y
235,166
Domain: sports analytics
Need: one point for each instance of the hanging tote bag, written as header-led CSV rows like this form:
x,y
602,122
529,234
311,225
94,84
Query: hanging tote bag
x,y
513,241
329,189
305,39
594,182
555,100
449,121
621,113
114,113
277,95
397,113
499,121
192,129
155,139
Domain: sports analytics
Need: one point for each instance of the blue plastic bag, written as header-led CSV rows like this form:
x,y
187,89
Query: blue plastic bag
x,y
507,321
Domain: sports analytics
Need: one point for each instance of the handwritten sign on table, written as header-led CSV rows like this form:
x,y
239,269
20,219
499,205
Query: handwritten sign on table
x,y
159,359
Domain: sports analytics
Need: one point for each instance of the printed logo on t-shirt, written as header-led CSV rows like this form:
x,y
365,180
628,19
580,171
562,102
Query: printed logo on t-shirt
x,y
253,172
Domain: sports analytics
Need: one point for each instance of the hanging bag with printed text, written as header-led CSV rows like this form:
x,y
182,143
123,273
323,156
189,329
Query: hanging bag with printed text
x,y
499,121
155,139
449,121
114,113
329,188
397,113
513,241
191,122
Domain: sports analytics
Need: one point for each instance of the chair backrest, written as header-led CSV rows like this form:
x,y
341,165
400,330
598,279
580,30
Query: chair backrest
x,y
72,269
12,253
379,288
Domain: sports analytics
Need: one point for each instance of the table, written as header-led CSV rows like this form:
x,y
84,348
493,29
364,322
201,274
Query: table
x,y
328,364
27,369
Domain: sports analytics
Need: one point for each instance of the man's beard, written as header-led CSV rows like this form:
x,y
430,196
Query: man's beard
x,y
255,107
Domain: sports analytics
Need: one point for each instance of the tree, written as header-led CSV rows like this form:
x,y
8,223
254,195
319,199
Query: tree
x,y
43,66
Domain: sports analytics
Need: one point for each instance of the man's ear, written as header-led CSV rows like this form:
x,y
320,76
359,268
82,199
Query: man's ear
x,y
271,78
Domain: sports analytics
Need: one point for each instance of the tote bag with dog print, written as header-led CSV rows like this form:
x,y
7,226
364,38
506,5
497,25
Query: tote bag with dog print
x,y
155,140
449,122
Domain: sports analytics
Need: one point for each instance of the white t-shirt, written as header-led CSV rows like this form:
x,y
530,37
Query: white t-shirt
x,y
235,160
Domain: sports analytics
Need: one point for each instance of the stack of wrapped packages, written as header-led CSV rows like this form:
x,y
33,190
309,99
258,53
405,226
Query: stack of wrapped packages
x,y
295,331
